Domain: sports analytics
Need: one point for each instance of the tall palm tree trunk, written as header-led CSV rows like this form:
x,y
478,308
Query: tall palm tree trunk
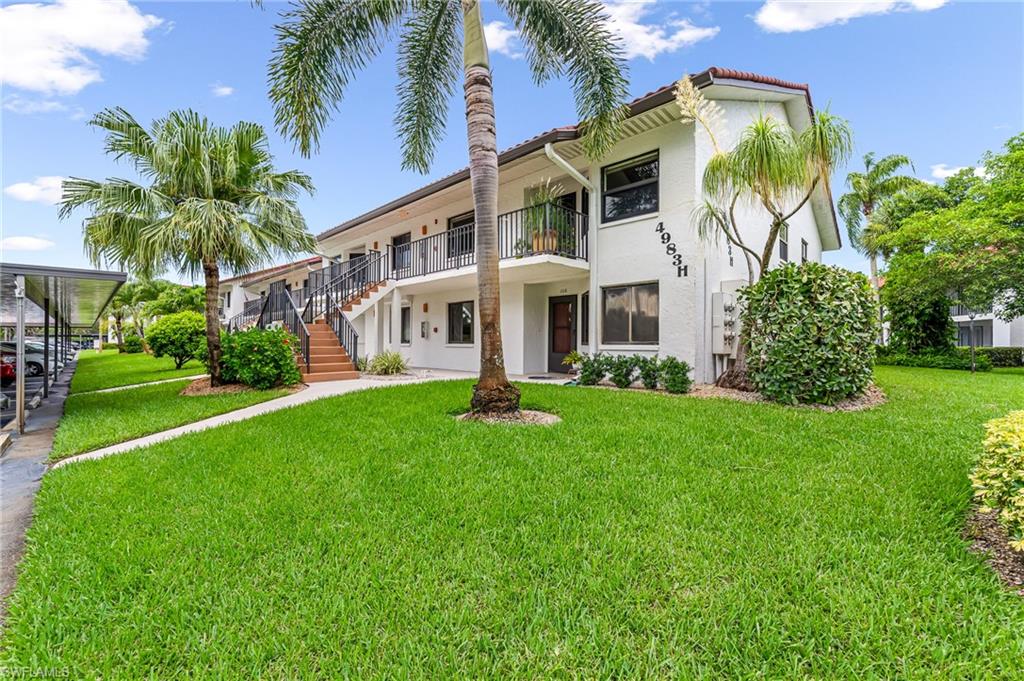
x,y
212,275
119,333
492,393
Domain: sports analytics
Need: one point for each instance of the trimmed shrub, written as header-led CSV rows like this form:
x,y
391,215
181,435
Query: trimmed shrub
x,y
675,375
387,363
260,358
810,331
592,368
621,369
132,344
109,346
919,321
180,336
998,357
934,360
998,479
649,367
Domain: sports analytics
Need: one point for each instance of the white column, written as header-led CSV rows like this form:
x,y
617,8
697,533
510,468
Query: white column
x,y
396,320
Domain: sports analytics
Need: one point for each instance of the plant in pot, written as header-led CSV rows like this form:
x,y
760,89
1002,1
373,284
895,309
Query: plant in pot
x,y
545,223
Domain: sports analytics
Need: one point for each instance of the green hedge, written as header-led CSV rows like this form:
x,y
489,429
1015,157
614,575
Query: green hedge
x,y
934,360
999,357
810,332
260,358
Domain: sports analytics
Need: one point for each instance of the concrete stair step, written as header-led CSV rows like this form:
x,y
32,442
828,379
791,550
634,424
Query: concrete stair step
x,y
330,376
321,367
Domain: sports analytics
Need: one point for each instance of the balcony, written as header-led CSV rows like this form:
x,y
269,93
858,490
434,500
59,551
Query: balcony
x,y
548,229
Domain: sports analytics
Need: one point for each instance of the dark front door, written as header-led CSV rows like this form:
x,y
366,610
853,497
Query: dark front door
x,y
402,254
561,330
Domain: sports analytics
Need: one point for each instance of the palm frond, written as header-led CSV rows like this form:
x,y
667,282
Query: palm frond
x,y
571,38
320,46
428,66
826,144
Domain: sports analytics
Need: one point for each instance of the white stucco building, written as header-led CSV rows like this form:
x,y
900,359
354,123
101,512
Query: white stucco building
x,y
989,330
615,265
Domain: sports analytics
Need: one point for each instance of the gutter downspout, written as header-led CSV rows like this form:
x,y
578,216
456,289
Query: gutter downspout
x,y
549,151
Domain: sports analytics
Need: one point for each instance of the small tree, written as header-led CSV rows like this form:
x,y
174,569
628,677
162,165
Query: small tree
x,y
179,336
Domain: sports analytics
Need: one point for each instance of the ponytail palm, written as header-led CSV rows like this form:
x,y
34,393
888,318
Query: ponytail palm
x,y
322,44
212,201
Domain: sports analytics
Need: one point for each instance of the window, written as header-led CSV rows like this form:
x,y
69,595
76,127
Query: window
x,y
630,314
460,322
784,244
403,251
460,235
630,188
803,250
585,319
406,330
227,299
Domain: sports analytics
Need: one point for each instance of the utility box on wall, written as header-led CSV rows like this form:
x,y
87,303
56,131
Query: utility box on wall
x,y
725,324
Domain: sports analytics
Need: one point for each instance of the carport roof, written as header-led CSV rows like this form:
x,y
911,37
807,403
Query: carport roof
x,y
76,296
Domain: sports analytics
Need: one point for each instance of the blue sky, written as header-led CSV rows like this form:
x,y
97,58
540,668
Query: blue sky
x,y
940,82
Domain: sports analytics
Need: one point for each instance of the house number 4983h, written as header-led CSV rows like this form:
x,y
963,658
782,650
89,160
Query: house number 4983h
x,y
672,251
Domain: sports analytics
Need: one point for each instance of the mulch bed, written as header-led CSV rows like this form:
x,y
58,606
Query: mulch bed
x,y
201,386
872,397
522,417
988,538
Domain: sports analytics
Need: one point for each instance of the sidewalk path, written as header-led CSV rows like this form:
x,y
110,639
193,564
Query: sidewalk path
x,y
141,385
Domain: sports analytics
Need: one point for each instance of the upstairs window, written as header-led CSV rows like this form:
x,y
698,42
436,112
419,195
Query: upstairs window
x,y
784,244
460,235
803,250
460,323
629,315
630,188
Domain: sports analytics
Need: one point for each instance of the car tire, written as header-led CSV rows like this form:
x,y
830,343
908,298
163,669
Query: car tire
x,y
33,369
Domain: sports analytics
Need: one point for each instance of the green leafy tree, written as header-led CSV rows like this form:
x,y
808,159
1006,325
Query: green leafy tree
x,y
323,43
771,166
177,298
213,202
179,335
879,181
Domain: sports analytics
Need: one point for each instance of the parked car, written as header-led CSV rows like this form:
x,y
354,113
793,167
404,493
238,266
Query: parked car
x,y
7,374
34,360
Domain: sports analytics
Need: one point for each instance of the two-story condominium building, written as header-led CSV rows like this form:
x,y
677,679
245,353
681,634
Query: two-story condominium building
x,y
614,264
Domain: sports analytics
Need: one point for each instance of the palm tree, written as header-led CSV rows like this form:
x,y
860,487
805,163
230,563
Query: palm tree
x,y
773,167
213,202
119,308
868,190
324,42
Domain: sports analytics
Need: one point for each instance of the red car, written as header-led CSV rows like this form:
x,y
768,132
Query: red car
x,y
6,370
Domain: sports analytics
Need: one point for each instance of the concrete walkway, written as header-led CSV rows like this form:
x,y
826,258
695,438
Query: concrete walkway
x,y
21,472
314,391
141,385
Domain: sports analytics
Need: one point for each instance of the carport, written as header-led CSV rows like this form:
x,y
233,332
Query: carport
x,y
61,300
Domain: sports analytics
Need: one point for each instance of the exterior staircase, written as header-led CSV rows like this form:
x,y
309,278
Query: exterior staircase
x,y
328,361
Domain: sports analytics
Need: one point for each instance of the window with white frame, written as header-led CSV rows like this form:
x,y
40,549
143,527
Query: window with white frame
x,y
803,250
629,314
784,243
406,331
460,323
630,188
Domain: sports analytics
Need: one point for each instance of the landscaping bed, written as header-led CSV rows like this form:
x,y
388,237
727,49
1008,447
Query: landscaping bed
x,y
373,535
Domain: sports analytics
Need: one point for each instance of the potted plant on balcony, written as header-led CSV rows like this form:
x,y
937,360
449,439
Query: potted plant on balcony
x,y
546,224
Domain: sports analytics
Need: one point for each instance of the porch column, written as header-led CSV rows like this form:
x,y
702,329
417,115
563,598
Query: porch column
x,y
595,287
19,340
396,320
46,347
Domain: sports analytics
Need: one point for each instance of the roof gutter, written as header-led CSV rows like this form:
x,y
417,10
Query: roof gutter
x,y
549,151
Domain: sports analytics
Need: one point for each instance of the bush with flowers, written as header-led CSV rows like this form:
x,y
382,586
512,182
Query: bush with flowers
x,y
260,358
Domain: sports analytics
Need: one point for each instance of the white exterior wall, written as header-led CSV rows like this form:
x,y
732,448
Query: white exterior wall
x,y
628,251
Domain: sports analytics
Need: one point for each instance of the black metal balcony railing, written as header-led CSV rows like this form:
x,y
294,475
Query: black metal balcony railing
x,y
548,229
250,313
279,306
964,311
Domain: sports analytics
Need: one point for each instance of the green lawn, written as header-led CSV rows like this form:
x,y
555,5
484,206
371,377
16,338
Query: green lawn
x,y
95,420
372,535
110,369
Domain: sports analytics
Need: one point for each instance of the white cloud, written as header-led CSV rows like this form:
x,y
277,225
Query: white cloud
x,y
648,40
502,39
21,105
941,171
25,243
788,16
46,47
46,189
220,90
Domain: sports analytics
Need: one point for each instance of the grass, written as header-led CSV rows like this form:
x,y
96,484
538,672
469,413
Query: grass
x,y
371,535
110,369
94,420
